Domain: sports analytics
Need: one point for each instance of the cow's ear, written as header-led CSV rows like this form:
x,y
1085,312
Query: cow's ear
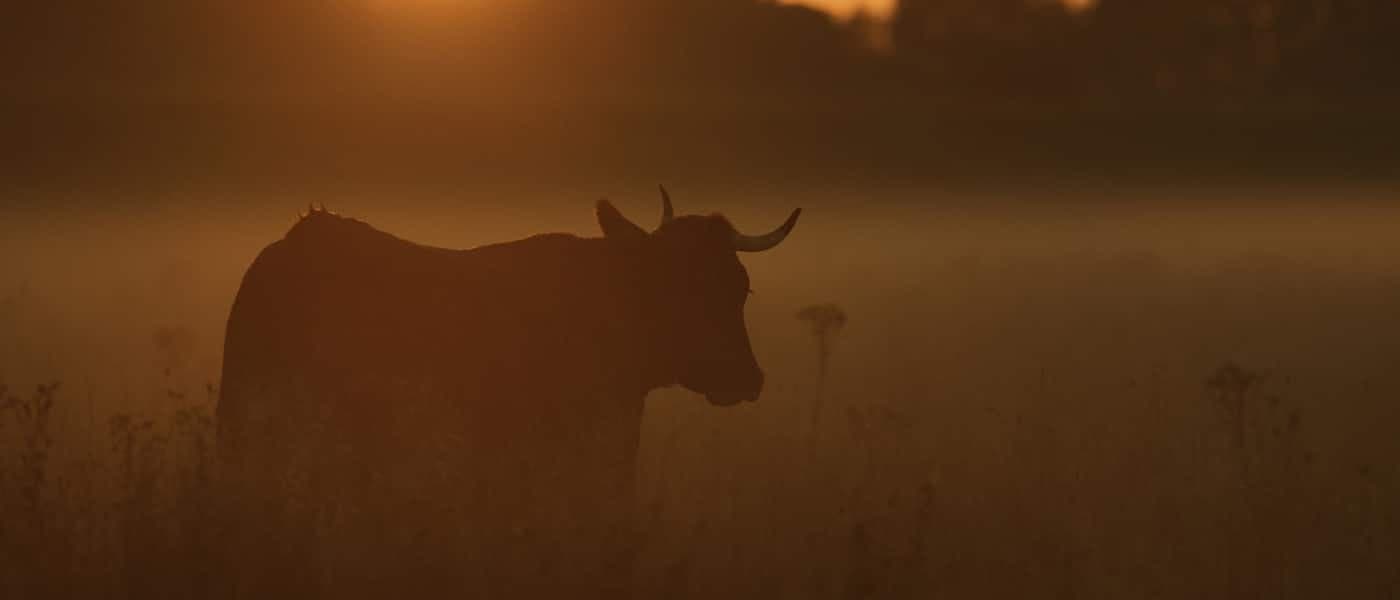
x,y
617,227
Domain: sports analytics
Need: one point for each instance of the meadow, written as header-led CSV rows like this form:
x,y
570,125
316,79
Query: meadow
x,y
1069,391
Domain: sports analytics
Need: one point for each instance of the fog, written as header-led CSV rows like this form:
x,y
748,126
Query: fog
x,y
1088,299
1021,402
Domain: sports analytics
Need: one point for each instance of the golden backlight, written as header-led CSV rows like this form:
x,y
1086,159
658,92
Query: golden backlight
x,y
847,8
421,4
839,8
430,9
885,8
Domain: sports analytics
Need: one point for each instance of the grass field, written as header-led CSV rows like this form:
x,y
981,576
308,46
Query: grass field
x,y
1069,392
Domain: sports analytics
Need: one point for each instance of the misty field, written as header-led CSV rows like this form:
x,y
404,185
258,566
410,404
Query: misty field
x,y
1074,392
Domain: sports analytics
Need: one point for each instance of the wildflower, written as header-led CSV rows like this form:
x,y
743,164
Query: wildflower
x,y
825,320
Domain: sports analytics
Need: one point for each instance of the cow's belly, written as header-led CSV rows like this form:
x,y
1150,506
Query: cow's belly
x,y
390,482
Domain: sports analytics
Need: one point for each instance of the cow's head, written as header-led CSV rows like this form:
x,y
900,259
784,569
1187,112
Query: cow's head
x,y
696,290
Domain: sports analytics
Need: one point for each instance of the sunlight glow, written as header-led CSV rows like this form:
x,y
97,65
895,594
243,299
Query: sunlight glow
x,y
845,9
428,8
883,9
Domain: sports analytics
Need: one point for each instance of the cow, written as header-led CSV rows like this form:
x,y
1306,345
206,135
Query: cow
x,y
398,418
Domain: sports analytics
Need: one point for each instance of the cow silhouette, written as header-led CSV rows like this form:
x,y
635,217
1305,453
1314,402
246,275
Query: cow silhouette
x,y
397,418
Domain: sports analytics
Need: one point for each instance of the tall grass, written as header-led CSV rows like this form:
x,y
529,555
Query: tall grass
x,y
129,523
1023,435
135,521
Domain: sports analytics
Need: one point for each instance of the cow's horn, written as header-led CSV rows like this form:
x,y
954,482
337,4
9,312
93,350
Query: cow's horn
x,y
759,243
668,213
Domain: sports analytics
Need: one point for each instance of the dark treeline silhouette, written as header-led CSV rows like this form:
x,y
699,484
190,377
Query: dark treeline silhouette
x,y
1209,50
317,48
1005,82
1323,47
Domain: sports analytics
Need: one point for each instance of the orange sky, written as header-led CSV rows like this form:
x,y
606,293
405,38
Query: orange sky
x,y
881,8
845,8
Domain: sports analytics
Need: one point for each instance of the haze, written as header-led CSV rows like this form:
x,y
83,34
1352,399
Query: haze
x,y
1117,282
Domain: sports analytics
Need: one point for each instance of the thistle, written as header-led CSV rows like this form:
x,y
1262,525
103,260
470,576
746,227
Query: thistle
x,y
825,320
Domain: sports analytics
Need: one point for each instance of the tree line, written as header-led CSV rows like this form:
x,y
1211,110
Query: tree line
x,y
1332,48
1200,48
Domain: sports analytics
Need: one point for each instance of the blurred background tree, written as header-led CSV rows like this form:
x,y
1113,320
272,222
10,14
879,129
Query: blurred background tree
x,y
780,81
963,46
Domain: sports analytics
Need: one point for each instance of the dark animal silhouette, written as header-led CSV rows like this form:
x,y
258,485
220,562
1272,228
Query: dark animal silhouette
x,y
397,418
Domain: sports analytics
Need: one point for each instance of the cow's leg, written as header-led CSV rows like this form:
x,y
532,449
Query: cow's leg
x,y
596,489
267,496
